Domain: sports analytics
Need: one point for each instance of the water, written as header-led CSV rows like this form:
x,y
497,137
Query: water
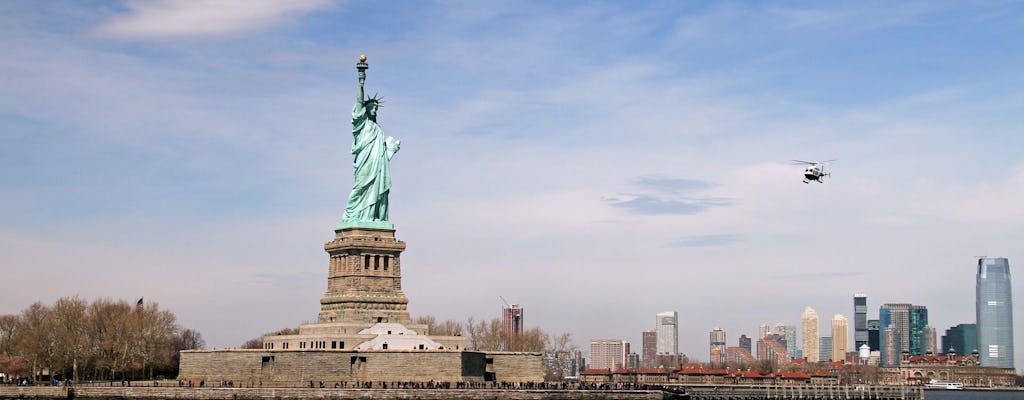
x,y
971,395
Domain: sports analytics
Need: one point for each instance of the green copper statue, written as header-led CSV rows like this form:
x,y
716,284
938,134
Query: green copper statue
x,y
367,205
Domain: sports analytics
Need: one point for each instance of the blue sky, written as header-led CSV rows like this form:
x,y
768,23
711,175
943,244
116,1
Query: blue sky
x,y
596,162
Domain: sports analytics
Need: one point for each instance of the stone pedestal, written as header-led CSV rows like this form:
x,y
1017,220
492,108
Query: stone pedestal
x,y
364,281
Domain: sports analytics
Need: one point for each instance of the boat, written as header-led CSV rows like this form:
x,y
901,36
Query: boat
x,y
934,384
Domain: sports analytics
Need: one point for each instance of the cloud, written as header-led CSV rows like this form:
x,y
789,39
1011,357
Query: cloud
x,y
706,240
667,195
644,204
199,18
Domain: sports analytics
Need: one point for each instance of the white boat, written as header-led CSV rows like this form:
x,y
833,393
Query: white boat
x,y
934,384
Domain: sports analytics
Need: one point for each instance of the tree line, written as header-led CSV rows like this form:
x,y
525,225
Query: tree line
x,y
98,340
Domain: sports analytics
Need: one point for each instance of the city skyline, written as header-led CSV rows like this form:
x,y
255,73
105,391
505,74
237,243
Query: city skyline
x,y
200,157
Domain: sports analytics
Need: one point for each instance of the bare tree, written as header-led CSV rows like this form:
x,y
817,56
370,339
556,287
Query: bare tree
x,y
485,335
190,339
35,336
8,333
560,350
71,334
430,321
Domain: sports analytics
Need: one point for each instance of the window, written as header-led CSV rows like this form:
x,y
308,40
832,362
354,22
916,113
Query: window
x,y
376,263
387,261
334,344
366,262
384,346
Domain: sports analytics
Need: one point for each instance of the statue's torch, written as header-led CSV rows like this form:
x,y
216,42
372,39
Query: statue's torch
x,y
362,66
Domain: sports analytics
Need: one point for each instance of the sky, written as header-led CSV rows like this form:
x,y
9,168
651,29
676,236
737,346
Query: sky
x,y
594,162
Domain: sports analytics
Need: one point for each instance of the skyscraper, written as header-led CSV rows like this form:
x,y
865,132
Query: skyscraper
x,y
649,357
717,348
874,336
789,333
763,330
890,347
840,337
860,320
668,332
824,348
810,334
961,339
512,321
908,322
929,340
994,313
772,348
744,343
608,353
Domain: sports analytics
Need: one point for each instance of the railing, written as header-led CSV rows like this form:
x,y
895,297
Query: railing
x,y
798,392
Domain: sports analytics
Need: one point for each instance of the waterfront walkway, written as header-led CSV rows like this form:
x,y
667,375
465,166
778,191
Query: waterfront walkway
x,y
746,392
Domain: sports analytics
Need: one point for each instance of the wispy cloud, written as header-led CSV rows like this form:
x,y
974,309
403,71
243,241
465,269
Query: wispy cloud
x,y
706,240
645,204
197,18
655,194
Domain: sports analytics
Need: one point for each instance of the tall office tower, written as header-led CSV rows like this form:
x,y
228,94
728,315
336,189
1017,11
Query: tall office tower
x,y
810,334
909,322
512,321
608,353
668,332
744,343
717,350
840,337
789,332
890,347
929,341
649,357
825,348
994,313
763,330
961,339
772,348
874,340
632,361
860,320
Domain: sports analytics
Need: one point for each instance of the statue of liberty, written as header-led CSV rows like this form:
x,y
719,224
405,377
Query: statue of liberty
x,y
367,205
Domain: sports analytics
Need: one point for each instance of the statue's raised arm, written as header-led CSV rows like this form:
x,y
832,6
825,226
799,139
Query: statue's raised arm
x,y
361,66
367,205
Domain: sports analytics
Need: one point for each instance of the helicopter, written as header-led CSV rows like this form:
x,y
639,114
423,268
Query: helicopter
x,y
815,171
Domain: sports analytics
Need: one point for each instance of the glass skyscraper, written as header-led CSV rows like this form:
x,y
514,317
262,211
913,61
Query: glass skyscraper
x,y
667,329
995,313
874,334
908,323
962,339
860,320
